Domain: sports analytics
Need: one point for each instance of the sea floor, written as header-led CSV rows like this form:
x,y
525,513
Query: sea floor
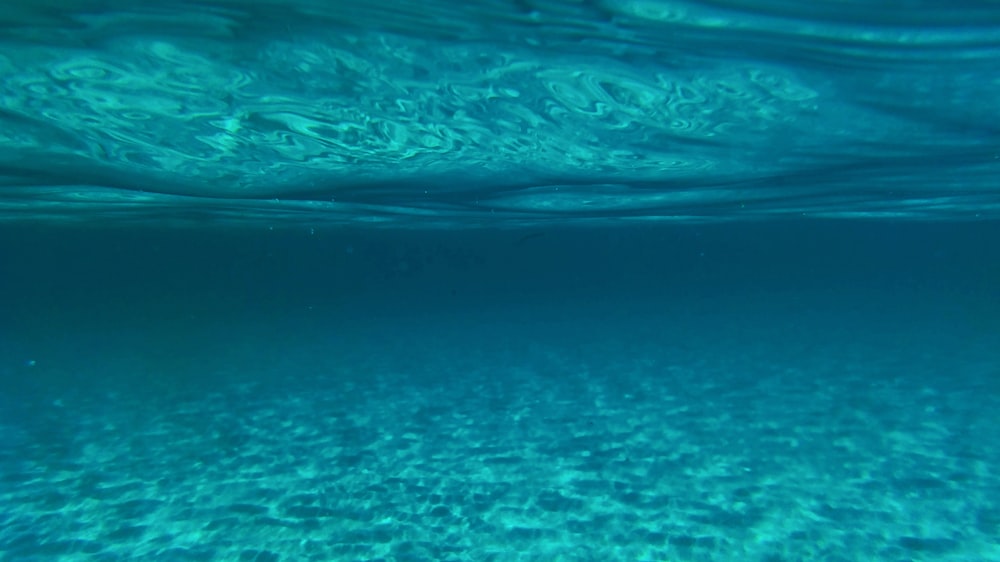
x,y
762,437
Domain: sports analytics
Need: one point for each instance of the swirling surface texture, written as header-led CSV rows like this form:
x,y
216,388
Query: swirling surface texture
x,y
435,113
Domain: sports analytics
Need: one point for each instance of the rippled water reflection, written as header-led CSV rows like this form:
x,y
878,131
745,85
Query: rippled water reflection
x,y
514,113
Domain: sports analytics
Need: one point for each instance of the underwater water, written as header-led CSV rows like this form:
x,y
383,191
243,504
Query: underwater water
x,y
521,281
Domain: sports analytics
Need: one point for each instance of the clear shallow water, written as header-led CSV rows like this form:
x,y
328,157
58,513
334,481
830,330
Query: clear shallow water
x,y
510,281
512,113
740,392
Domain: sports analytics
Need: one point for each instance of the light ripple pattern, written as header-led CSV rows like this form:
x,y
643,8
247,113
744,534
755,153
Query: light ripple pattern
x,y
617,450
422,106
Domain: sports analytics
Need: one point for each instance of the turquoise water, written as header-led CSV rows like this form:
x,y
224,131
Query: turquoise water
x,y
428,114
500,281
